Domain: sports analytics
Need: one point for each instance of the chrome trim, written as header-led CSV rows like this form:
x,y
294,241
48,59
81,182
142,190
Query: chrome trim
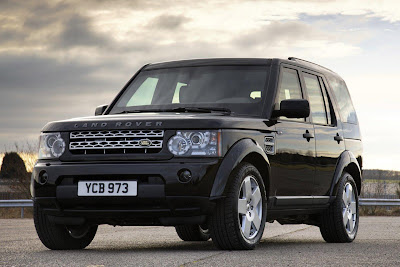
x,y
269,144
112,144
116,133
116,139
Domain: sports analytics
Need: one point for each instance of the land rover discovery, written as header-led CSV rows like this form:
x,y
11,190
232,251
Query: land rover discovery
x,y
214,147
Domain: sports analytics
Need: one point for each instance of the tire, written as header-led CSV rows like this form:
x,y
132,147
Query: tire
x,y
192,232
233,225
59,237
339,223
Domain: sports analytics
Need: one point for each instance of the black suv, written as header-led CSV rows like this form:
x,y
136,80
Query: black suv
x,y
214,147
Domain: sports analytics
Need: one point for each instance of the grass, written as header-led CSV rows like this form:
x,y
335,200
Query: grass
x,y
379,211
1,158
15,213
29,156
29,159
381,181
26,150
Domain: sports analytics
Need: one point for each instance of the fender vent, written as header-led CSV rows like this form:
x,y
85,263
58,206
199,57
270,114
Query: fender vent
x,y
269,144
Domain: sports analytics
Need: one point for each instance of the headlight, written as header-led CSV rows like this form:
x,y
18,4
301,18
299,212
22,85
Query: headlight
x,y
51,146
206,143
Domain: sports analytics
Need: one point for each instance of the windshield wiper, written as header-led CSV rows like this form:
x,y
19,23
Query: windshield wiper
x,y
182,109
203,109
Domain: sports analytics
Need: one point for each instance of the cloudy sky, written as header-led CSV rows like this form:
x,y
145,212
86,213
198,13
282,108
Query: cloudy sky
x,y
60,59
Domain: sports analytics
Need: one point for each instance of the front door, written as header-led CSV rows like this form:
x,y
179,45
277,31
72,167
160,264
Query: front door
x,y
293,164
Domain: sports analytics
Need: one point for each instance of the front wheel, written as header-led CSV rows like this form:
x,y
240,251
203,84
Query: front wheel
x,y
239,219
339,223
61,237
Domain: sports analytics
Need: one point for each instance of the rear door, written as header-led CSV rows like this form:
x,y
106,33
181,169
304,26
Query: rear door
x,y
328,136
292,167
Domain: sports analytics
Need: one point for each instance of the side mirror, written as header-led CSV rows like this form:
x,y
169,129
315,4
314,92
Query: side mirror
x,y
100,110
293,108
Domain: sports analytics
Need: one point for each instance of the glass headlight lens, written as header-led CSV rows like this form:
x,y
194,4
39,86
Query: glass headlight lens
x,y
206,143
51,146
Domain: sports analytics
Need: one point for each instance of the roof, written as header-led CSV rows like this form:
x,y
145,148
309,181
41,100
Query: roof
x,y
308,64
237,61
210,62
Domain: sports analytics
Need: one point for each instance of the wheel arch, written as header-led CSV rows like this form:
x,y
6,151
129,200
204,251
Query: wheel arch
x,y
259,162
354,171
245,150
347,162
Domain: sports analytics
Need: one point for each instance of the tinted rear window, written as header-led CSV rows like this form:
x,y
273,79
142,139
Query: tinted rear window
x,y
346,108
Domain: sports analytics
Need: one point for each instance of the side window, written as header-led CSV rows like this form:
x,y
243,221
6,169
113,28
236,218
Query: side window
x,y
290,85
330,114
144,94
289,88
316,98
346,109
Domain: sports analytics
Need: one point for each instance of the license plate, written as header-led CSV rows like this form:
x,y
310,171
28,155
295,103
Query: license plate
x,y
107,188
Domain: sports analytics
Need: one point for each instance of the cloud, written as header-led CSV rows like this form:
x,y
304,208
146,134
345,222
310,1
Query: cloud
x,y
60,59
168,22
30,72
77,31
9,37
45,15
279,33
58,55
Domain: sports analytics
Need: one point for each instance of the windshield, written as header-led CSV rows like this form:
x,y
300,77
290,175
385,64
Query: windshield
x,y
238,89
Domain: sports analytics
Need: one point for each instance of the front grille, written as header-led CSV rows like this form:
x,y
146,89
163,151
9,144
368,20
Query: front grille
x,y
116,142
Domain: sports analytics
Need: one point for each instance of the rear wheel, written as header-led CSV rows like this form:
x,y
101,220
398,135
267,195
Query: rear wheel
x,y
193,232
239,219
339,223
61,237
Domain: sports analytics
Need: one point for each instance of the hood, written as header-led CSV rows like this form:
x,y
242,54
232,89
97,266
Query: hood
x,y
164,120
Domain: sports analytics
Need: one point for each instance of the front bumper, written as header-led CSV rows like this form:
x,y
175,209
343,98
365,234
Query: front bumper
x,y
162,199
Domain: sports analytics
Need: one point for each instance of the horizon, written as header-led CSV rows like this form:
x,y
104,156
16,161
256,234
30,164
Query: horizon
x,y
29,164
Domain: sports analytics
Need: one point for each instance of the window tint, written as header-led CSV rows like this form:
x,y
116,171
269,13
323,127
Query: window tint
x,y
144,93
328,104
290,86
346,109
238,88
316,99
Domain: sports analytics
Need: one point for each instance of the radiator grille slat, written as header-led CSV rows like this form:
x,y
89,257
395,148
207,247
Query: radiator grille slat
x,y
116,142
117,133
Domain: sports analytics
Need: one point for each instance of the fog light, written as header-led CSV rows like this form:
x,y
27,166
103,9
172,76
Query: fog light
x,y
43,177
184,176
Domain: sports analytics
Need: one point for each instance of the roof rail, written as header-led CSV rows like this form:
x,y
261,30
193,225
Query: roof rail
x,y
299,59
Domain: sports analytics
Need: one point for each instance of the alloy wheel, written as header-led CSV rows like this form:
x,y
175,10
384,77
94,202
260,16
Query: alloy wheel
x,y
349,208
250,208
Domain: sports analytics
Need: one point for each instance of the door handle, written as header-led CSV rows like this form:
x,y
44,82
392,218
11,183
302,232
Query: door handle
x,y
338,138
307,135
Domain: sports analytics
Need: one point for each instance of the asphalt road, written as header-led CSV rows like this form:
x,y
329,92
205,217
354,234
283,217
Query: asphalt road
x,y
377,244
